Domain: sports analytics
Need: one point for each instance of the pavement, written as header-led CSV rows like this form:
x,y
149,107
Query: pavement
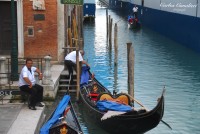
x,y
17,118
8,114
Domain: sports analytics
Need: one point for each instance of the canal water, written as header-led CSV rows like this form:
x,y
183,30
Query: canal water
x,y
159,62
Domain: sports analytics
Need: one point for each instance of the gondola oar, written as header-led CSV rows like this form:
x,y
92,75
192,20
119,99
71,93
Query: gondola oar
x,y
147,109
166,124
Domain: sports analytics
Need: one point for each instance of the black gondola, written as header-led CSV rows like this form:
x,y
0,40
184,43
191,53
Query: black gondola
x,y
63,120
132,122
133,23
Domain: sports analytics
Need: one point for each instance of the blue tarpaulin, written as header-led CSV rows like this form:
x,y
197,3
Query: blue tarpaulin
x,y
85,75
105,105
57,114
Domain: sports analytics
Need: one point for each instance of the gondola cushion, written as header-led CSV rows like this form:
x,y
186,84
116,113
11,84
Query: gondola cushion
x,y
106,105
93,96
120,98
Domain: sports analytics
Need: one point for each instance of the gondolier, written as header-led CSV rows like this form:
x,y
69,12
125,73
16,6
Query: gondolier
x,y
70,62
135,11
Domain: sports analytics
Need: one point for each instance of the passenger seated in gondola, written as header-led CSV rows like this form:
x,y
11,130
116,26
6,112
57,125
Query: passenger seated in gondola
x,y
130,19
136,19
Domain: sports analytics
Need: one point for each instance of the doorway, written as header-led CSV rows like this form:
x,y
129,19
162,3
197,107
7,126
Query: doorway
x,y
6,27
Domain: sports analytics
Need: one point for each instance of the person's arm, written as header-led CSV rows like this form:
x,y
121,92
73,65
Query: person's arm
x,y
84,62
39,73
26,79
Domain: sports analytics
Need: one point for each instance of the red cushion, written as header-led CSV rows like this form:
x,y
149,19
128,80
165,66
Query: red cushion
x,y
93,96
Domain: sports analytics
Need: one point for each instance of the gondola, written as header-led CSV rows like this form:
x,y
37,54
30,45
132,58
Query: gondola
x,y
63,120
131,122
133,23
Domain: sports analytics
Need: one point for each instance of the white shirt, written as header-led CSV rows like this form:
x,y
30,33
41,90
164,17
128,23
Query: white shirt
x,y
26,73
135,9
72,56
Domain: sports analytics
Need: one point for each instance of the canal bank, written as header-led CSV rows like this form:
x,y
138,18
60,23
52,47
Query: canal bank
x,y
63,40
27,121
18,118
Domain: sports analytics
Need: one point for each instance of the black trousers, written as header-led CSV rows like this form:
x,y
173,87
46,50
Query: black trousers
x,y
36,93
70,66
135,14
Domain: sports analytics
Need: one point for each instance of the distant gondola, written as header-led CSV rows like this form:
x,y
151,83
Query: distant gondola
x,y
133,22
63,120
131,122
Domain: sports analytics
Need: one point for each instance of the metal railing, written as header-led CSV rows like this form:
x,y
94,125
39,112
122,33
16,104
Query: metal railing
x,y
7,86
37,62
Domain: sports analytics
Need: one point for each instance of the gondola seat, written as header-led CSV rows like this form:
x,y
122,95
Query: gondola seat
x,y
93,96
120,98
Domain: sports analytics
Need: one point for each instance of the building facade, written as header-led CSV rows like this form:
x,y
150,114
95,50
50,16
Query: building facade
x,y
40,28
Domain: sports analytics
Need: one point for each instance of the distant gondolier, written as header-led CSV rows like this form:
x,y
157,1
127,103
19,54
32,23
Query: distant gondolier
x,y
135,11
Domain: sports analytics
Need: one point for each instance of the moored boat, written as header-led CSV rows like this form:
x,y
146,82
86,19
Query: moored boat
x,y
63,120
114,113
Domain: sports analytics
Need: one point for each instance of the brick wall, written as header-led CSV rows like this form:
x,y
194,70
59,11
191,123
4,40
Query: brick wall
x,y
44,41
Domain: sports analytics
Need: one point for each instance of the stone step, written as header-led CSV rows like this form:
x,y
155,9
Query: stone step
x,y
66,85
64,91
65,72
66,80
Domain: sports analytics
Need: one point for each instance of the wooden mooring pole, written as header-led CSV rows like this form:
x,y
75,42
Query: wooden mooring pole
x,y
110,33
107,22
115,44
77,53
130,66
108,27
81,28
